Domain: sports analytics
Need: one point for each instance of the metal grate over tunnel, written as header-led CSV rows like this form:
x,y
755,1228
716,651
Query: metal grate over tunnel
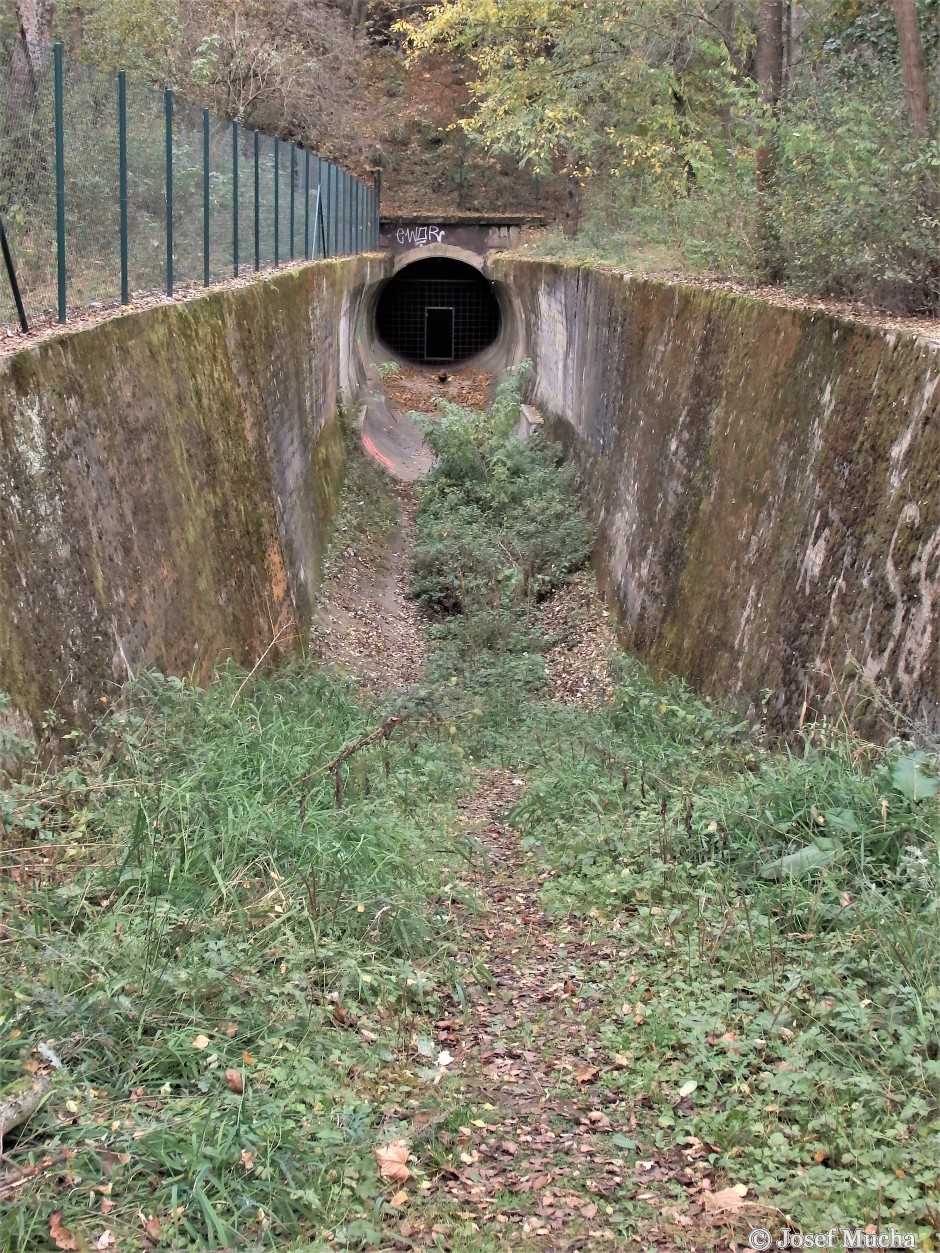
x,y
436,311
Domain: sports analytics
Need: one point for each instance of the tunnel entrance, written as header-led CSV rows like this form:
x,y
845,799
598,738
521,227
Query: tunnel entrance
x,y
437,310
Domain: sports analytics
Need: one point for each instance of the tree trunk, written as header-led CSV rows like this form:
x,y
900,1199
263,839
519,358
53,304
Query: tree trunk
x,y
913,66
572,199
769,82
21,158
34,27
727,29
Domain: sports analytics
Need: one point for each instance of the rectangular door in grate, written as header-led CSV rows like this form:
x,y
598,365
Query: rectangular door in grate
x,y
439,333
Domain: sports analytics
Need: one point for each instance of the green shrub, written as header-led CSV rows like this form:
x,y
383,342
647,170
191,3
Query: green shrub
x,y
499,521
854,210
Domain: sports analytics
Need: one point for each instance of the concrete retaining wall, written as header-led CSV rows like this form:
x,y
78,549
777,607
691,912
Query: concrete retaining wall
x,y
766,481
166,483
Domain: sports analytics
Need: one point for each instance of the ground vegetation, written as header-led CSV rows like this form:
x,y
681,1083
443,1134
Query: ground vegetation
x,y
491,957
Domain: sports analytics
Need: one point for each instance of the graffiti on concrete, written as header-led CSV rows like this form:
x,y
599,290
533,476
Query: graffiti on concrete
x,y
418,236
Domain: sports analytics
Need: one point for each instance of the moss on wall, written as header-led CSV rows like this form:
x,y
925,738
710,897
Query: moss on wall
x,y
166,484
766,481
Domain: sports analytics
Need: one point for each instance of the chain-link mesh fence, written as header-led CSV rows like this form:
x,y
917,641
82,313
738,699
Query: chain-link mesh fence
x,y
112,190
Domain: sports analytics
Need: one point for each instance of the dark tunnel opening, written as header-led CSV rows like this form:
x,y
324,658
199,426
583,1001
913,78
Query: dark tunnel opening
x,y
436,311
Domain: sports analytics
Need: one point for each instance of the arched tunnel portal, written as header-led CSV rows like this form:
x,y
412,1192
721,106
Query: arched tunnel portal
x,y
438,310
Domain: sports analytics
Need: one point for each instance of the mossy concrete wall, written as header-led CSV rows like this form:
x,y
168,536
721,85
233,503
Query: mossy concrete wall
x,y
766,483
166,483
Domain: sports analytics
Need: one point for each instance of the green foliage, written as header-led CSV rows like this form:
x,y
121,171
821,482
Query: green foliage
x,y
140,36
498,522
592,86
769,919
709,230
653,108
854,211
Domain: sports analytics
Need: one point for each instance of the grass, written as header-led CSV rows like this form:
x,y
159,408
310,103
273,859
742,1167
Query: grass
x,y
777,910
705,236
225,969
185,911
197,907
785,1013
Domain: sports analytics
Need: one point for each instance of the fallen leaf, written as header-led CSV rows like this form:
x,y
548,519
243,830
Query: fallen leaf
x,y
248,1160
234,1080
585,1074
248,1059
201,1042
399,1199
61,1237
588,1211
153,1229
727,1201
391,1159
106,1240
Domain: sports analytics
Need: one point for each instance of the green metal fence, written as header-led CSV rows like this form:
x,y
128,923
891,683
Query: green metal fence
x,y
111,191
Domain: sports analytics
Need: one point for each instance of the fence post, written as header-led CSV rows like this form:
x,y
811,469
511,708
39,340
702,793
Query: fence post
x,y
235,197
122,180
206,201
328,235
168,108
338,187
257,202
340,220
60,182
344,192
306,204
318,210
347,242
11,274
277,201
293,195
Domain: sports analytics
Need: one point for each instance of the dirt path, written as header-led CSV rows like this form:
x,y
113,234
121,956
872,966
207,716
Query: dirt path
x,y
535,1140
364,622
521,1129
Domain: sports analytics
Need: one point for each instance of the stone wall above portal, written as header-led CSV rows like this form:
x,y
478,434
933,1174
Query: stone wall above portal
x,y
467,232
